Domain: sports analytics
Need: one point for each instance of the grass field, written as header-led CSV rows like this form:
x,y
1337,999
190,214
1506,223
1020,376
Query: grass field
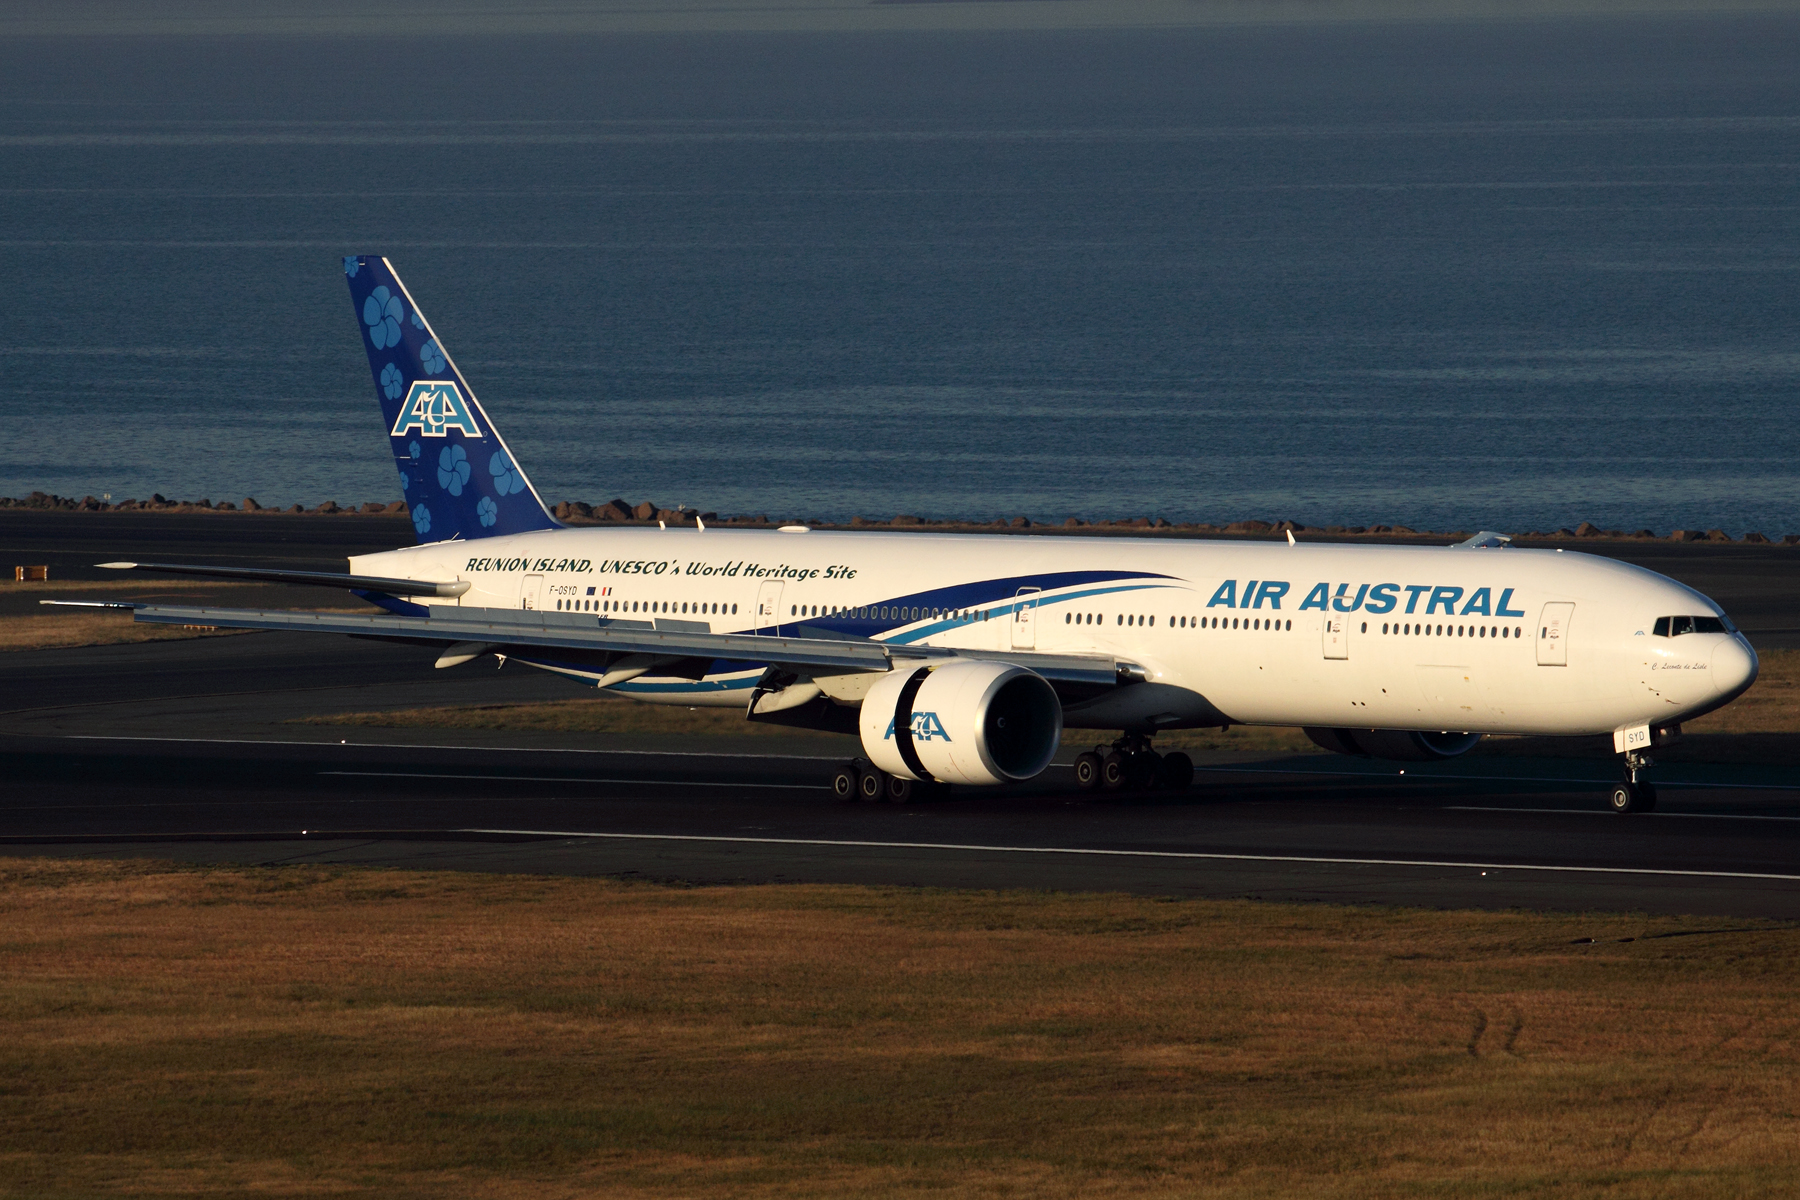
x,y
197,1032
28,625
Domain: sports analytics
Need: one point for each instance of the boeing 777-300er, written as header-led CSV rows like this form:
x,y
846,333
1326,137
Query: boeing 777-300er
x,y
961,659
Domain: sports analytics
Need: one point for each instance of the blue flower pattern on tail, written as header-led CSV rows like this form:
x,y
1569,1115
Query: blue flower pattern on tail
x,y
408,363
507,478
453,469
381,313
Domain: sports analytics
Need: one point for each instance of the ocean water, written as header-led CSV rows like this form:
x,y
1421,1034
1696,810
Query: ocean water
x,y
1502,275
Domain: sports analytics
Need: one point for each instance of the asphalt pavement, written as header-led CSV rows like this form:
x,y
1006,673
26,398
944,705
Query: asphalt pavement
x,y
189,750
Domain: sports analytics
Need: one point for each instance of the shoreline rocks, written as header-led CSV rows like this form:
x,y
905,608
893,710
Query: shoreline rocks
x,y
618,512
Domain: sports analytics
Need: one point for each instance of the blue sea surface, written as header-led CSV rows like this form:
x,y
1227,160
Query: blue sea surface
x,y
1453,276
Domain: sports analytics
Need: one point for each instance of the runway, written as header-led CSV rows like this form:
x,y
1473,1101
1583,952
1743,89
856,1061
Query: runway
x,y
183,750
189,750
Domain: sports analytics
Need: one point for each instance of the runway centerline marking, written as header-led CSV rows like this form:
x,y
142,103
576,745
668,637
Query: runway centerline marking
x,y
815,787
1605,812
1102,853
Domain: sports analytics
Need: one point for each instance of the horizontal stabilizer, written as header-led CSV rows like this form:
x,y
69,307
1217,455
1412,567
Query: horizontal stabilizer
x,y
93,603
371,583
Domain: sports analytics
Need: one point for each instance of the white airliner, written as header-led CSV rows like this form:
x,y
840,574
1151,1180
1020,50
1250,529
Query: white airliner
x,y
960,659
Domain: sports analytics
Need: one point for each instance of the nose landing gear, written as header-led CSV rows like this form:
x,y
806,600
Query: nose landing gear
x,y
1636,794
1129,764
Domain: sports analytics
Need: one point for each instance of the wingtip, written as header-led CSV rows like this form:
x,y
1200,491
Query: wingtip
x,y
118,566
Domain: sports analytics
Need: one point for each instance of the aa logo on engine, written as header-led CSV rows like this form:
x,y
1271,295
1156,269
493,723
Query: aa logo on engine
x,y
925,727
434,408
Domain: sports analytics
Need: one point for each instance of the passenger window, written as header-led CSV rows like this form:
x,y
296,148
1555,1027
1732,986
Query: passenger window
x,y
1365,627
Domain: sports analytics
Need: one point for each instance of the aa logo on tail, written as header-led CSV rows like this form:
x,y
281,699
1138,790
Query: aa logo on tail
x,y
434,409
925,726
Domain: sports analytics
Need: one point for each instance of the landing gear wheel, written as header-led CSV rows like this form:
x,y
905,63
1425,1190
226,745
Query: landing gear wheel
x,y
844,782
899,791
870,785
1114,771
1087,771
1631,798
1177,771
1145,768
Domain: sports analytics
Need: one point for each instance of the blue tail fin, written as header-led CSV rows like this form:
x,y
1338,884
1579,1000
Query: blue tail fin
x,y
458,477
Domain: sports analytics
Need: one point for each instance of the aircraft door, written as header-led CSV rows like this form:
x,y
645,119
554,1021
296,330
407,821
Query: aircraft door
x,y
531,592
768,609
1553,634
1337,637
1024,622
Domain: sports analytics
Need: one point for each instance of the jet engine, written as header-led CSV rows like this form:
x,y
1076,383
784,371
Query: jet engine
x,y
964,722
1397,745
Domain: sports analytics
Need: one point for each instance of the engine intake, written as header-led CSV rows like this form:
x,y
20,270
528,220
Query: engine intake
x,y
1396,745
967,722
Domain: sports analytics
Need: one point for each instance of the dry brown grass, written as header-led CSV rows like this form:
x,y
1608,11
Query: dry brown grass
x,y
1772,705
27,625
202,1032
40,627
590,714
63,630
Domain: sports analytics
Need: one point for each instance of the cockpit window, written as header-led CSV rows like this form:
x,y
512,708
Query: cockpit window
x,y
1676,626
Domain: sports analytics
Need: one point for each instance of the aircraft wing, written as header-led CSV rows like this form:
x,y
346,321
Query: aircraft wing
x,y
502,628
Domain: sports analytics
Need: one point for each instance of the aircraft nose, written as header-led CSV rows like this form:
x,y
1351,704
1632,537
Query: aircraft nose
x,y
1734,666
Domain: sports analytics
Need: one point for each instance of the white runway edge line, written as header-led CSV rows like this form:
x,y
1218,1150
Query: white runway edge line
x,y
1190,855
786,787
1421,777
106,737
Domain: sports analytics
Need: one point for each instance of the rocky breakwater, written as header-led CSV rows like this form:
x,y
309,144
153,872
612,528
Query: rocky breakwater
x,y
619,512
159,503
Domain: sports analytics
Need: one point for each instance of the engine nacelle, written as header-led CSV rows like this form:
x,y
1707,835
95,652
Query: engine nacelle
x,y
964,722
1396,745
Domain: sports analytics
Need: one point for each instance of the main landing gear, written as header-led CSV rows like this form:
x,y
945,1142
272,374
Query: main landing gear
x,y
1129,764
862,780
1635,794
